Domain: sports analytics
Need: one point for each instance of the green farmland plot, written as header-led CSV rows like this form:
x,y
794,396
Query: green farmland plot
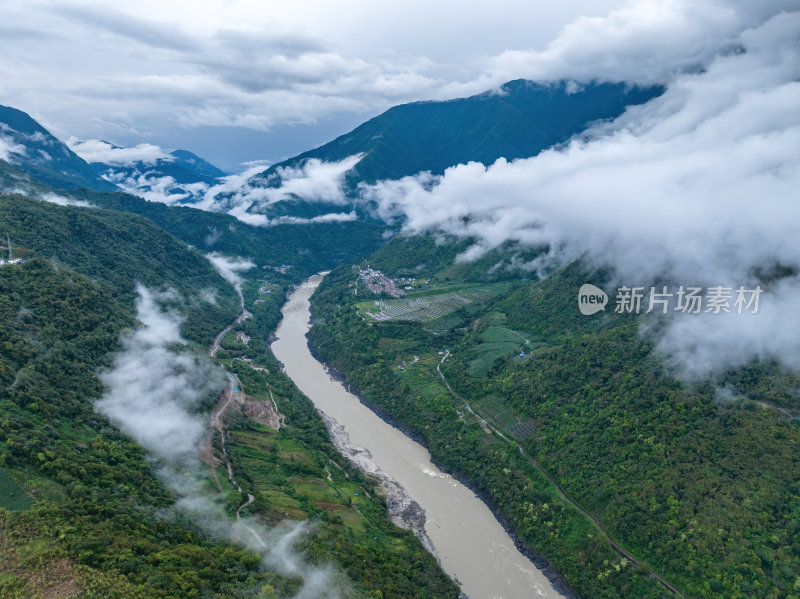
x,y
495,410
426,307
498,342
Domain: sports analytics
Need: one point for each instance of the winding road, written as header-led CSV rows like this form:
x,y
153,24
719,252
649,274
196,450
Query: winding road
x,y
217,415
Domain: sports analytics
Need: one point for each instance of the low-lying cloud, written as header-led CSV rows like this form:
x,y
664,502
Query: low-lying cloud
x,y
55,198
154,392
95,150
229,268
8,148
247,196
313,180
156,187
698,186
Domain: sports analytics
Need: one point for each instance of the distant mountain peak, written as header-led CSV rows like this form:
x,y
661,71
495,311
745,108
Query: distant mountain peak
x,y
517,120
31,148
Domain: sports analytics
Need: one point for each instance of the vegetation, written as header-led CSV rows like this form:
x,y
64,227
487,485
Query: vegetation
x,y
432,136
307,249
90,517
12,496
704,492
120,251
98,518
297,471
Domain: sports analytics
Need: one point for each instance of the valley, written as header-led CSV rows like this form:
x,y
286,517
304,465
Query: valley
x,y
472,546
555,435
393,365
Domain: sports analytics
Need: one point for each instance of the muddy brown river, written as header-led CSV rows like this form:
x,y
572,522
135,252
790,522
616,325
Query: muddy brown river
x,y
470,543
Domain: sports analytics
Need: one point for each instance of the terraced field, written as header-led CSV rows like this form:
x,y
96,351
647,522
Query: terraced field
x,y
494,410
425,308
497,342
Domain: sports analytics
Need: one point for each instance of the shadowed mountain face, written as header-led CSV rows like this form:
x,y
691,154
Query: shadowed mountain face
x,y
518,121
177,177
194,164
31,148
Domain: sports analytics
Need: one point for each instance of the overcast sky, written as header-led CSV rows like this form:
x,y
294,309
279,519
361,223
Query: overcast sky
x,y
243,80
238,80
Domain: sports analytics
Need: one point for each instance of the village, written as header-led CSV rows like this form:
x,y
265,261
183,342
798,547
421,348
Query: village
x,y
377,282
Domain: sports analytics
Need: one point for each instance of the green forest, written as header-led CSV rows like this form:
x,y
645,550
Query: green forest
x,y
702,492
627,480
83,510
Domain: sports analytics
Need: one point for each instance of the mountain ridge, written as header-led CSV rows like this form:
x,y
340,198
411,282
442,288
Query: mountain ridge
x,y
39,153
519,120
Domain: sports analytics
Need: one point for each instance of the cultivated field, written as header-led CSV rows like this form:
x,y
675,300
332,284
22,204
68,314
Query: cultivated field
x,y
425,308
494,410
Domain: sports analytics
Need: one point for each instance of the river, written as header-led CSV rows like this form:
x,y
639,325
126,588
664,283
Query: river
x,y
470,543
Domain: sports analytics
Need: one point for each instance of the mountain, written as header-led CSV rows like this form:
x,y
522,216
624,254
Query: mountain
x,y
30,147
306,248
84,509
574,427
119,250
519,120
194,164
177,177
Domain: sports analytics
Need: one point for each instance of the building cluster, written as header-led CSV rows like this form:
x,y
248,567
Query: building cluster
x,y
377,282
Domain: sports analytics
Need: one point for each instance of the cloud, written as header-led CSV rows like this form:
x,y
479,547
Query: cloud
x,y
138,170
229,268
152,72
698,186
8,148
313,180
54,198
95,150
156,187
248,195
259,220
155,389
331,217
643,41
148,70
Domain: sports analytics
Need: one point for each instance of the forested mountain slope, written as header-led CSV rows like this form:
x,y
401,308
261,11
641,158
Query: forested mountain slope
x,y
519,120
90,515
698,482
32,148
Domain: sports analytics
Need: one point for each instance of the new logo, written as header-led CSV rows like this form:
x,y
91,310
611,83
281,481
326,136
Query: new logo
x,y
591,299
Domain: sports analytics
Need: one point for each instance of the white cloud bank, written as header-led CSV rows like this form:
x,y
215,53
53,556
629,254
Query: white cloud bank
x,y
8,148
699,186
154,390
229,268
246,196
314,180
95,150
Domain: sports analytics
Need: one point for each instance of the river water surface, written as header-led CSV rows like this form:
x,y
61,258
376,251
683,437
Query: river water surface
x,y
470,543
